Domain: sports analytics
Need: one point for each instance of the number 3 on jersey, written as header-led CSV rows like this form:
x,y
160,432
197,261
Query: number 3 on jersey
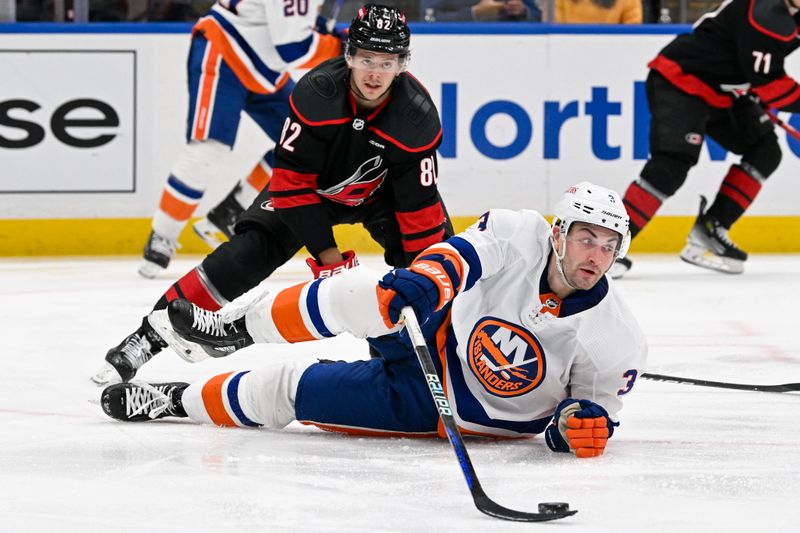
x,y
293,130
427,172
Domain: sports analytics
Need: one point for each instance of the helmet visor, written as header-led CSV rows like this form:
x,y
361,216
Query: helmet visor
x,y
374,61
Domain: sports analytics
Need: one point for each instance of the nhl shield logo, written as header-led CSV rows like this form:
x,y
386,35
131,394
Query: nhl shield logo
x,y
694,138
358,124
506,359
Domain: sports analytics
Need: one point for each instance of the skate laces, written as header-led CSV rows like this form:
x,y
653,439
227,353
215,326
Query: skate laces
x,y
137,350
721,234
141,396
162,245
208,322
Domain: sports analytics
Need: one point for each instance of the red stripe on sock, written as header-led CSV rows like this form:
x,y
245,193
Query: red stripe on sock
x,y
196,292
642,200
636,219
171,294
735,196
641,206
746,184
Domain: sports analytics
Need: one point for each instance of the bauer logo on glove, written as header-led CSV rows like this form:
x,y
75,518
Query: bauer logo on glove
x,y
325,271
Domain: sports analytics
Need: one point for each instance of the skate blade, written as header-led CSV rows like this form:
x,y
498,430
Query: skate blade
x,y
188,350
150,270
617,270
106,375
210,234
704,258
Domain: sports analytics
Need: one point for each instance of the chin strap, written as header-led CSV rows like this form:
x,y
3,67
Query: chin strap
x,y
559,267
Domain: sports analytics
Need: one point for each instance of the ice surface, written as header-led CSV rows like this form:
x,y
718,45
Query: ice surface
x,y
685,458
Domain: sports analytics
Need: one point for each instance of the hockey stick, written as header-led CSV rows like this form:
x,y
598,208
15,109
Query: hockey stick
x,y
771,113
547,511
791,130
786,387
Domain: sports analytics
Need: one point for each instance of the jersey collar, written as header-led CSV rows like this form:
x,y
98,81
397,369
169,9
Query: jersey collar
x,y
573,304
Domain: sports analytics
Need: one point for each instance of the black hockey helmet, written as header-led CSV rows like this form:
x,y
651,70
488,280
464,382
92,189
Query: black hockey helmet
x,y
379,28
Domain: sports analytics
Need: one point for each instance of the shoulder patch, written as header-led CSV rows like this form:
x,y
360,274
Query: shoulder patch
x,y
323,84
412,123
772,18
417,109
320,97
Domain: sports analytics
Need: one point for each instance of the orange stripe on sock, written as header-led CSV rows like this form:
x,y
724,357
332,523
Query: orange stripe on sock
x,y
258,178
202,116
286,315
175,208
212,400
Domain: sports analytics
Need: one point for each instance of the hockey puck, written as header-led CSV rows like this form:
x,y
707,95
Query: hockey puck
x,y
553,507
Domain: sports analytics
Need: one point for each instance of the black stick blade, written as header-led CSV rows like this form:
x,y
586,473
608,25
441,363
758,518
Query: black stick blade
x,y
487,506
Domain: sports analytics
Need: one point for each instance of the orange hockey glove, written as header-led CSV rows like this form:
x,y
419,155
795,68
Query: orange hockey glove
x,y
430,283
579,426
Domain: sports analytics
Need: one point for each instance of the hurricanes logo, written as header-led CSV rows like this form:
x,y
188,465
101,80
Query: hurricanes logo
x,y
507,359
356,189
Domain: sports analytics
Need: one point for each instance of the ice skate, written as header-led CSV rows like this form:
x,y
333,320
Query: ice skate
x,y
123,360
709,246
139,402
210,233
217,226
158,252
620,267
195,333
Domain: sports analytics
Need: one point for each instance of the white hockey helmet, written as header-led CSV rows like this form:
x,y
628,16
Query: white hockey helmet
x,y
593,204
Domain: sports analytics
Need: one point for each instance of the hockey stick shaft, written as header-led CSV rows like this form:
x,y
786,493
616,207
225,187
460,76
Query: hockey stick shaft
x,y
771,113
482,502
785,387
787,127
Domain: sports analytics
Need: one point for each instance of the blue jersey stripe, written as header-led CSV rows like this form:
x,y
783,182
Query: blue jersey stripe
x,y
312,304
184,189
262,69
232,6
294,51
233,400
469,254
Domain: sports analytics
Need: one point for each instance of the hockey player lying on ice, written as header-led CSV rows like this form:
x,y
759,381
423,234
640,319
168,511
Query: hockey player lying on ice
x,y
531,337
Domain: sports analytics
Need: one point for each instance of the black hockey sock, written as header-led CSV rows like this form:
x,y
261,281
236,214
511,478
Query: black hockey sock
x,y
737,192
176,408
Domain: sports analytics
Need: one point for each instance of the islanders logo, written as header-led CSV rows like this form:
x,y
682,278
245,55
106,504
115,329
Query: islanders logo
x,y
507,359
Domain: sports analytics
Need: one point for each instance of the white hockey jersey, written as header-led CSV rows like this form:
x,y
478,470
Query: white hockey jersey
x,y
510,349
518,349
262,39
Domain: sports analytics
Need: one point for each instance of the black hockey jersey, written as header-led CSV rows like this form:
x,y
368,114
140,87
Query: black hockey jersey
x,y
739,47
329,153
